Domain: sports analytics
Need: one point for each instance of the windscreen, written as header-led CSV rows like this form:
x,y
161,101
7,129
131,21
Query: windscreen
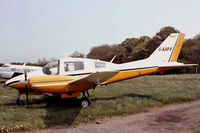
x,y
51,68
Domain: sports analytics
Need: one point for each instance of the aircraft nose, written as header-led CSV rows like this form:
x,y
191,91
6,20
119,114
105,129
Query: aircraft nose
x,y
11,81
17,82
8,82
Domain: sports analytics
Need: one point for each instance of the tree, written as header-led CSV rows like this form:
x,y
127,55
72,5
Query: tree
x,y
77,54
125,50
190,54
42,62
197,37
103,52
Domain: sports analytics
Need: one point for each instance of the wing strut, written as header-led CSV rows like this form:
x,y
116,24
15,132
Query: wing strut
x,y
113,59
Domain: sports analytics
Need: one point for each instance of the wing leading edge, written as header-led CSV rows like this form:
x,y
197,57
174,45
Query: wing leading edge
x,y
91,81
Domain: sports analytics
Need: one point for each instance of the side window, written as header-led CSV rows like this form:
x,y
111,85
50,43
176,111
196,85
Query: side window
x,y
100,65
73,66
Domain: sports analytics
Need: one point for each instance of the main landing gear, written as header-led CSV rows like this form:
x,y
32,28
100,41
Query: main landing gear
x,y
85,102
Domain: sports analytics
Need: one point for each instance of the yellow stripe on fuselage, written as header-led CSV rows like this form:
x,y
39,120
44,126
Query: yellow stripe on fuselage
x,y
177,48
131,74
51,78
123,75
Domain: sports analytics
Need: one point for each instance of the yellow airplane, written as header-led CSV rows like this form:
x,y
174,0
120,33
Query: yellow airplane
x,y
71,77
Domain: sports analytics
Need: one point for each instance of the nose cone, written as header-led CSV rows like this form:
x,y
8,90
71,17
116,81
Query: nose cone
x,y
19,81
16,82
11,81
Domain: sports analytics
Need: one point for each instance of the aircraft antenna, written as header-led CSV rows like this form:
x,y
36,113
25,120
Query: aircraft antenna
x,y
113,59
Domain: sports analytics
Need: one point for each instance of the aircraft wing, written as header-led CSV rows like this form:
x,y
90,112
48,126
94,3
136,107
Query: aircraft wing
x,y
93,79
172,65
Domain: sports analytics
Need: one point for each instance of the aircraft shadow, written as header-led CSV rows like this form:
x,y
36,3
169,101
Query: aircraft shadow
x,y
61,113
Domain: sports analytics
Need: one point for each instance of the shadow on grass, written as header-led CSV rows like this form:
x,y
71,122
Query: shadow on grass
x,y
59,112
129,95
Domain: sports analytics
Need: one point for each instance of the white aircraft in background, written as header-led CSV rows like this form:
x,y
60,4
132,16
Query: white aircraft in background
x,y
8,71
71,77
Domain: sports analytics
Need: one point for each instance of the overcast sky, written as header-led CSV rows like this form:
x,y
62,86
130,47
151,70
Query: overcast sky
x,y
33,29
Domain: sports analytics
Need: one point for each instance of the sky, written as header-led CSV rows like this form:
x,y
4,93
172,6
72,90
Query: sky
x,y
34,29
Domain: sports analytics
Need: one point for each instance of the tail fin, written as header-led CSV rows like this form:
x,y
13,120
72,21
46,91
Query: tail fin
x,y
170,48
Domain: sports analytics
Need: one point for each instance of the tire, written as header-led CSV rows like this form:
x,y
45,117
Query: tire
x,y
85,102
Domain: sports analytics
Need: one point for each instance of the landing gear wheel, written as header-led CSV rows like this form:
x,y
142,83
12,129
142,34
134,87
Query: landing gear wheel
x,y
85,102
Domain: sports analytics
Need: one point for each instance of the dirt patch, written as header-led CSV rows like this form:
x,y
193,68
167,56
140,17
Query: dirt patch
x,y
177,118
169,118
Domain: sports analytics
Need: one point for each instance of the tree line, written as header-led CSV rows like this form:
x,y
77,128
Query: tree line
x,y
132,49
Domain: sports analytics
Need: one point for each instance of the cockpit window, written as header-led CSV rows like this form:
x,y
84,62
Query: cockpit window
x,y
73,66
100,65
52,68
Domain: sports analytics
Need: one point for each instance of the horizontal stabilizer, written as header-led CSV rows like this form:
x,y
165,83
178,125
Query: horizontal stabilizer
x,y
177,65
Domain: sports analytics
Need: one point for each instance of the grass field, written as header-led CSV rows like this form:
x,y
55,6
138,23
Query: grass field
x,y
123,98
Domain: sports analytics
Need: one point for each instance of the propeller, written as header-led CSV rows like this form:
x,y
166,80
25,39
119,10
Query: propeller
x,y
26,86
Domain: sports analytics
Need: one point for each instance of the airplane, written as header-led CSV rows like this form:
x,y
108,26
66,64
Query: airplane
x,y
8,71
73,77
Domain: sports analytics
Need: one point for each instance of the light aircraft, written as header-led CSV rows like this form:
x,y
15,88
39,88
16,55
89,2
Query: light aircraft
x,y
8,71
73,77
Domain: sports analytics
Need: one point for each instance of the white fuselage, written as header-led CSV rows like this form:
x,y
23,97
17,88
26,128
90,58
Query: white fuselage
x,y
92,66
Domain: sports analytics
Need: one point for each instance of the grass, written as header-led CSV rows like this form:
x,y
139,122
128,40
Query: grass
x,y
118,99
